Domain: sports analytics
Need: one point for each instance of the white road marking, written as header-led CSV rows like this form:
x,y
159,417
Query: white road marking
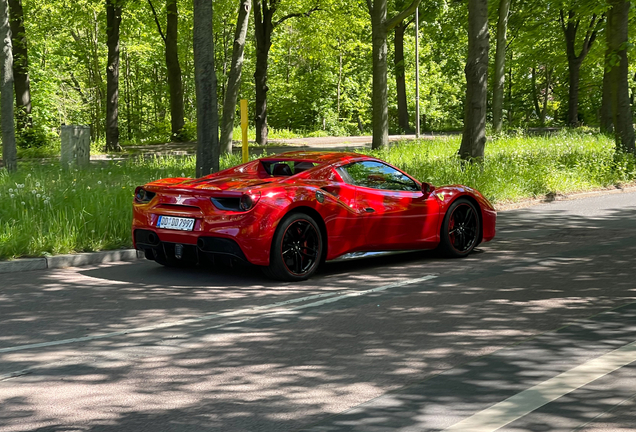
x,y
517,406
209,317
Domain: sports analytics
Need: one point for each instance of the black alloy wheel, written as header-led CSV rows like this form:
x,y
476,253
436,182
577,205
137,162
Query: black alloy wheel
x,y
460,229
296,248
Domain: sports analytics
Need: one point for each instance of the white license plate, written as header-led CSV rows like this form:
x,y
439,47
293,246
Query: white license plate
x,y
176,223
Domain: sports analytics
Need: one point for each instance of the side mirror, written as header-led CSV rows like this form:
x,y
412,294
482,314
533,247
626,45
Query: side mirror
x,y
427,189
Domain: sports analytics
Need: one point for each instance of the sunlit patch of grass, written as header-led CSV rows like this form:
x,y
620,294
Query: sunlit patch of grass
x,y
45,209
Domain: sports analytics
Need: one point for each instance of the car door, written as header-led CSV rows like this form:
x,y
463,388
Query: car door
x,y
393,211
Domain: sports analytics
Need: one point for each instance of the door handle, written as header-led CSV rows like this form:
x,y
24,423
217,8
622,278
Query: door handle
x,y
369,210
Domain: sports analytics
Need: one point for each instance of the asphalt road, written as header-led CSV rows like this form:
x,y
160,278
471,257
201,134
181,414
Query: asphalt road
x,y
535,331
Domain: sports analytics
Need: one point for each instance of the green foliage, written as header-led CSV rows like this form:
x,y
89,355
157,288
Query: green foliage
x,y
35,137
320,70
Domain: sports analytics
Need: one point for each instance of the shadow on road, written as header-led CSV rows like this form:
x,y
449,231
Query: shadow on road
x,y
284,372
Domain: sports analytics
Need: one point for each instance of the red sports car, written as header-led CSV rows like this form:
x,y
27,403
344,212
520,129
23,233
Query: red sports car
x,y
290,212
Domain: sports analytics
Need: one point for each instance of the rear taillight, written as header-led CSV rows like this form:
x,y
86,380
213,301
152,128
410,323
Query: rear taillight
x,y
142,196
249,200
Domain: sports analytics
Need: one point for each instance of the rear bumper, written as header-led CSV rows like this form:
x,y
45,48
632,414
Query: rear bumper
x,y
152,243
246,236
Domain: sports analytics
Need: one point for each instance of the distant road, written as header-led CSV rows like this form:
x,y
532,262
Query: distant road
x,y
279,145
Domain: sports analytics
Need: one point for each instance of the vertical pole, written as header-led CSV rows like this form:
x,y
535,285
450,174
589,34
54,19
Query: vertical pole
x,y
244,125
417,72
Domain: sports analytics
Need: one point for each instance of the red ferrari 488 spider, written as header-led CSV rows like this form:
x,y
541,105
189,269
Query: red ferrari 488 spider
x,y
290,212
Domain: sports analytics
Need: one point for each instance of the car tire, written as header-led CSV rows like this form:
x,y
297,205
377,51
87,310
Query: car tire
x,y
296,249
461,229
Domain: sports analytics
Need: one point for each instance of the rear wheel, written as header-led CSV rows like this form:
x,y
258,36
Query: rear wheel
x,y
460,229
296,249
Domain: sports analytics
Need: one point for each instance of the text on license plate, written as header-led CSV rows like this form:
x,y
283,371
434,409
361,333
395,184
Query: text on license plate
x,y
175,223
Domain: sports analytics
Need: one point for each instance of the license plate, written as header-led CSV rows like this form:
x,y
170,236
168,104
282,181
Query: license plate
x,y
175,223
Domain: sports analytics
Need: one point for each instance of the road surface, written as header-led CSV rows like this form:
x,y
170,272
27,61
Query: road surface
x,y
535,331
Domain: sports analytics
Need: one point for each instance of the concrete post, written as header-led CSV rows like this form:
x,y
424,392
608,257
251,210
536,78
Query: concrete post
x,y
76,145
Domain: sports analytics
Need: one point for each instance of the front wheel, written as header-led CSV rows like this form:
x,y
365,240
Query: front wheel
x,y
460,229
296,249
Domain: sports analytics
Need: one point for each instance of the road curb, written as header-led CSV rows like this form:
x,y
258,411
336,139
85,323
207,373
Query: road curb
x,y
558,197
69,260
82,259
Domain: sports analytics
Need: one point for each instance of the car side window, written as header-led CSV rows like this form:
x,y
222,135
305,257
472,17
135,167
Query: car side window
x,y
377,175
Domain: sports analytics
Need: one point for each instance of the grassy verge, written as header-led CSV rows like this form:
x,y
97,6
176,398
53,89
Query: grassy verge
x,y
48,210
518,168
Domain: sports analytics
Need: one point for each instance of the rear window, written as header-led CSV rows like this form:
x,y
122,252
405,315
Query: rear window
x,y
285,168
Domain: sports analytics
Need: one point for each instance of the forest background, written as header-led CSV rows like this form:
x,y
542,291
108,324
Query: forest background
x,y
320,65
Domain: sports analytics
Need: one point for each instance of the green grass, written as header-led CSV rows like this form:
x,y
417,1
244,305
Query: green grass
x,y
518,168
45,209
48,210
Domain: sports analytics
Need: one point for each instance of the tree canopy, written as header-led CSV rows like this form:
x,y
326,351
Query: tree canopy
x,y
320,65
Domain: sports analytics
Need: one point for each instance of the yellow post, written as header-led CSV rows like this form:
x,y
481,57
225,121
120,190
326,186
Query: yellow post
x,y
244,124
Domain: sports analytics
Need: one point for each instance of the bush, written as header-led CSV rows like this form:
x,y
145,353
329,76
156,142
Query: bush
x,y
34,137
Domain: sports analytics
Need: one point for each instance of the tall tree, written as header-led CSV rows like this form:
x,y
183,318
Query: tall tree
x,y
400,79
22,83
234,77
617,43
500,66
474,135
6,91
205,82
380,27
113,21
607,118
170,40
264,26
570,26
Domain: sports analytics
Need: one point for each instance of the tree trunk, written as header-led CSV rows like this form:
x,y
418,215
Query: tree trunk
x,y
474,135
205,81
22,83
174,70
510,112
339,90
380,93
574,73
544,110
607,117
535,92
113,21
6,91
380,26
400,81
617,41
570,28
263,30
500,66
234,78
